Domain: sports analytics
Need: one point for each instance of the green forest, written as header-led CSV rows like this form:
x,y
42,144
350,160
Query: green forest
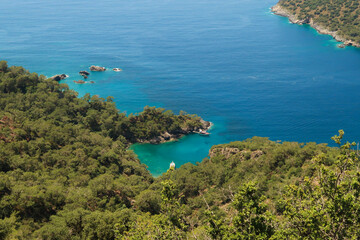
x,y
342,16
67,173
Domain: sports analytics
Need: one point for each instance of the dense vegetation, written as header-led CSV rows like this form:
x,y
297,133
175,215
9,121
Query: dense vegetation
x,y
66,173
342,16
64,157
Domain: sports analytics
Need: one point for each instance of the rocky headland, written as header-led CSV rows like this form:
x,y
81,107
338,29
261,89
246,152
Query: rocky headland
x,y
282,11
174,136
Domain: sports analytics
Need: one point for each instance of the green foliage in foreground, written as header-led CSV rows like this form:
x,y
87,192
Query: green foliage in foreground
x,y
342,16
66,173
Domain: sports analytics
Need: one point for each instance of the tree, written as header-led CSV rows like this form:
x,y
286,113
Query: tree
x,y
149,201
169,224
252,220
326,205
3,66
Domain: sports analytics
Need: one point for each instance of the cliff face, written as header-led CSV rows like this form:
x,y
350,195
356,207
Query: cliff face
x,y
280,10
229,152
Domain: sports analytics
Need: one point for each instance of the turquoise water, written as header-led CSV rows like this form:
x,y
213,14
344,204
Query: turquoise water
x,y
190,148
234,63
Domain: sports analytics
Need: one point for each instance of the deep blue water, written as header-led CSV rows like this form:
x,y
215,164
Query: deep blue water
x,y
233,62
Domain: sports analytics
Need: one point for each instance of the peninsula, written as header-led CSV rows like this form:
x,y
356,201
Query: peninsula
x,y
340,19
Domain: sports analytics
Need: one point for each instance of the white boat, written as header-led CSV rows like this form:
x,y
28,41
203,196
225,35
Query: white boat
x,y
203,133
172,165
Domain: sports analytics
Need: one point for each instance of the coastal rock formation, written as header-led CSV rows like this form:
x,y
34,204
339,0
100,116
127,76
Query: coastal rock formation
x,y
97,69
281,11
82,73
173,136
228,152
256,154
80,82
166,136
85,74
205,124
59,77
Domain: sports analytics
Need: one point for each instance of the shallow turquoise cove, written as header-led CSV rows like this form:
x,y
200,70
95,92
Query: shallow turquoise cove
x,y
191,148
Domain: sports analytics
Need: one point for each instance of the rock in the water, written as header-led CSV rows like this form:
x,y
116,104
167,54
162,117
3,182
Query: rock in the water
x,y
59,77
97,68
82,73
92,82
85,74
80,81
341,46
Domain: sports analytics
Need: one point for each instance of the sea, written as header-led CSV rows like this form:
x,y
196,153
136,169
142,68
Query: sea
x,y
234,63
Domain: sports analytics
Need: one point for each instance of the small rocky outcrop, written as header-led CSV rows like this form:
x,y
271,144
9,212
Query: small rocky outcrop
x,y
92,82
166,136
156,140
85,74
97,68
205,124
228,152
59,77
256,154
80,82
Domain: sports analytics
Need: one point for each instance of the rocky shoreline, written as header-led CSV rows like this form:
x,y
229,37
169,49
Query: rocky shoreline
x,y
59,77
281,11
170,137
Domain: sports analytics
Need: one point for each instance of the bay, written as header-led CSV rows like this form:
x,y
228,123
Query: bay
x,y
234,63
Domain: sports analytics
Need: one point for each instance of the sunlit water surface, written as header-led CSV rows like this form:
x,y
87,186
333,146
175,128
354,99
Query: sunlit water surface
x,y
232,62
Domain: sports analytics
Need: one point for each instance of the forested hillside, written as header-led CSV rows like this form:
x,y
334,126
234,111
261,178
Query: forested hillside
x,y
67,156
340,16
66,173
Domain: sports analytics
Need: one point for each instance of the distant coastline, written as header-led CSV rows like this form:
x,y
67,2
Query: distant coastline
x,y
282,11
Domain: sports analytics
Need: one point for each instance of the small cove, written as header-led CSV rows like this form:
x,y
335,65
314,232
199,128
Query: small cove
x,y
187,149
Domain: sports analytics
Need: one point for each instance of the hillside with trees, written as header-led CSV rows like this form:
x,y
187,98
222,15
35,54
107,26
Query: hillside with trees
x,y
342,17
66,172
